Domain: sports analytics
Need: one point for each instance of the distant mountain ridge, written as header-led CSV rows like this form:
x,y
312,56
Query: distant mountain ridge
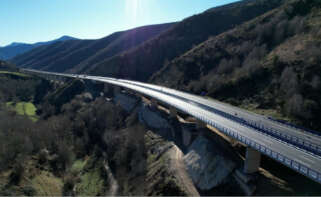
x,y
16,48
80,55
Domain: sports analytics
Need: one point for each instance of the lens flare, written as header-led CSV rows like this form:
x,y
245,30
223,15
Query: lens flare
x,y
132,7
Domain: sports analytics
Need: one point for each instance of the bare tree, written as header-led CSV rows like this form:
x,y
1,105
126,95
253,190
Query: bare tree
x,y
296,26
315,83
294,106
227,66
289,82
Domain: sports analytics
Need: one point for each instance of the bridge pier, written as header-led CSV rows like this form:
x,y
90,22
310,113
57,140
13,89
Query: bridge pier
x,y
200,124
252,161
117,90
172,112
153,103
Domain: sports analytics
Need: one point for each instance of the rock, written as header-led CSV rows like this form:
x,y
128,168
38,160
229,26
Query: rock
x,y
87,97
152,118
189,133
127,102
205,164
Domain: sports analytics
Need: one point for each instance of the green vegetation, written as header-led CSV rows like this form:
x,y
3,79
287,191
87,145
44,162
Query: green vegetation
x,y
78,165
16,86
91,184
14,73
25,109
46,184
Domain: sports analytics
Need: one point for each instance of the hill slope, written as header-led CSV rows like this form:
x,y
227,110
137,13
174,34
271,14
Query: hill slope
x,y
271,62
76,55
141,62
15,48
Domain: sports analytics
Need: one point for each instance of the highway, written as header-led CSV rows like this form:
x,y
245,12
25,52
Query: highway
x,y
296,157
297,137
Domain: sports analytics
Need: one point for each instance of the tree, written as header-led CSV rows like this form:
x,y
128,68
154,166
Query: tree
x,y
315,83
294,106
289,82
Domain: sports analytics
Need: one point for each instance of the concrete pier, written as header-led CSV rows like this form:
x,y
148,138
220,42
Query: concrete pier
x,y
173,112
153,103
252,160
200,124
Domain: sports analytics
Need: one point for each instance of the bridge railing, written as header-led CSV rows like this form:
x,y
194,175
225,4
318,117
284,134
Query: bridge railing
x,y
299,142
301,168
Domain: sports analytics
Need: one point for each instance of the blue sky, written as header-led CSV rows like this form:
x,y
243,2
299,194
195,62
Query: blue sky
x,y
32,21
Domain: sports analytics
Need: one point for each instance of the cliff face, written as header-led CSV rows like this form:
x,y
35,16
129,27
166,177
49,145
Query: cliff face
x,y
206,165
203,166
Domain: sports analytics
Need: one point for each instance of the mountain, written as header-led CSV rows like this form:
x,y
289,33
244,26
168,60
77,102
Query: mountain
x,y
270,64
78,55
140,52
16,48
141,62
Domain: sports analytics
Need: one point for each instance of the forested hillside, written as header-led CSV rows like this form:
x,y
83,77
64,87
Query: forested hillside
x,y
78,55
142,62
64,138
270,63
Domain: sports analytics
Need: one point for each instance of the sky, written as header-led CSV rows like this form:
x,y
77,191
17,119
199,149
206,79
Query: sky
x,y
31,21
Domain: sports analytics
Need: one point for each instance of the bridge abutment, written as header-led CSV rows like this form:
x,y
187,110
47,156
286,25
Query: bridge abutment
x,y
252,161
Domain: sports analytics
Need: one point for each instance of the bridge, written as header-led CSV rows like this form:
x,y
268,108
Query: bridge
x,y
292,146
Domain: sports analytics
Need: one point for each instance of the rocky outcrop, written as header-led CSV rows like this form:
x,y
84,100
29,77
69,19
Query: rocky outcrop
x,y
207,167
207,162
127,102
151,118
166,174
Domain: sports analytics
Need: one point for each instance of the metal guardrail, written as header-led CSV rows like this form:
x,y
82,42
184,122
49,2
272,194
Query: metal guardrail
x,y
298,142
302,169
290,125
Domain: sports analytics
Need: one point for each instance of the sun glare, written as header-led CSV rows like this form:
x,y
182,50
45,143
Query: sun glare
x,y
132,7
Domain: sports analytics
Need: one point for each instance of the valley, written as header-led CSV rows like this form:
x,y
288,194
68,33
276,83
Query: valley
x,y
224,102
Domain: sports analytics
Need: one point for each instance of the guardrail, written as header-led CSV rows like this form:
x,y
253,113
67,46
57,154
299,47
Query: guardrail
x,y
263,149
285,123
298,142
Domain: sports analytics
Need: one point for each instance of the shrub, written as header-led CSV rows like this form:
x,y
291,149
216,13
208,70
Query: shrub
x,y
315,83
68,187
63,158
227,66
29,191
17,173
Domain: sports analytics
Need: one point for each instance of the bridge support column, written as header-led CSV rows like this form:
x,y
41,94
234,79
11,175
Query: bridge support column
x,y
186,137
173,112
200,124
116,90
252,161
153,103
